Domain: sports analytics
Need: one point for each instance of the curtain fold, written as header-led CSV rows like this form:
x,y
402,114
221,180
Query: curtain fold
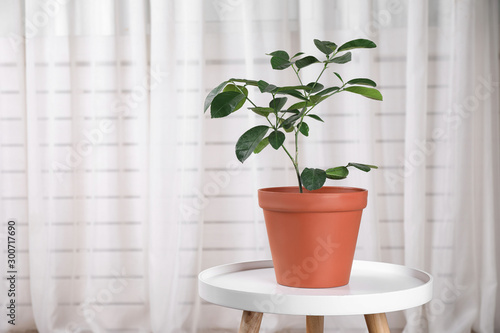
x,y
416,233
124,190
474,99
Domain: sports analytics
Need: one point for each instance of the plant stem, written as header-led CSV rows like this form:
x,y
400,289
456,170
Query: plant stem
x,y
270,123
251,102
319,76
297,73
275,112
327,96
243,93
296,162
295,165
296,148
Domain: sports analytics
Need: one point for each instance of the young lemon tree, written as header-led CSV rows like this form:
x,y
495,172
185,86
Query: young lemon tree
x,y
282,119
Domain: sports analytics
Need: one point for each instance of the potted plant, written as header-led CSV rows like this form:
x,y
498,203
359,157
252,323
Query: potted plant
x,y
312,228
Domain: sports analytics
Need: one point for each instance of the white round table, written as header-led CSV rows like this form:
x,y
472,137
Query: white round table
x,y
374,289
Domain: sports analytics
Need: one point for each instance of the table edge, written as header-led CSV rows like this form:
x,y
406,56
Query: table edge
x,y
415,296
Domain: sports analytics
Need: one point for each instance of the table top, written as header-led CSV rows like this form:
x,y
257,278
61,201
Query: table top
x,y
374,287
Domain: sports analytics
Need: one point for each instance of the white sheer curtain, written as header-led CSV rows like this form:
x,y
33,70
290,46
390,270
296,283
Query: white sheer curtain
x,y
122,190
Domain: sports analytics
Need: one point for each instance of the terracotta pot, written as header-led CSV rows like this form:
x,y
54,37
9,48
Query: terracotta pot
x,y
312,235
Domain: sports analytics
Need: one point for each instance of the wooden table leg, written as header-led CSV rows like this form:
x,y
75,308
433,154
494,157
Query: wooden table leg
x,y
250,322
377,323
315,324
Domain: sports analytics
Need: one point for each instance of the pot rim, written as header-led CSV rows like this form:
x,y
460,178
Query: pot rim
x,y
326,199
286,190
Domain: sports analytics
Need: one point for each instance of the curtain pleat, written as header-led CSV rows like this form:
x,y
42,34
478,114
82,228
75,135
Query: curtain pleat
x,y
416,235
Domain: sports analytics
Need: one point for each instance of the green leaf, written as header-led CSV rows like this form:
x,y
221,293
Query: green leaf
x,y
280,54
357,44
245,81
342,59
338,75
299,105
290,121
211,95
285,88
288,129
261,111
276,139
313,179
306,61
248,142
330,45
265,87
340,172
294,93
325,46
302,112
225,103
316,117
363,167
327,91
304,129
315,87
367,92
298,54
362,81
322,47
240,89
316,99
277,103
262,144
280,60
280,63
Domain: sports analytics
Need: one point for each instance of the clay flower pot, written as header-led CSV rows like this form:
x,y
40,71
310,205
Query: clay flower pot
x,y
312,235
